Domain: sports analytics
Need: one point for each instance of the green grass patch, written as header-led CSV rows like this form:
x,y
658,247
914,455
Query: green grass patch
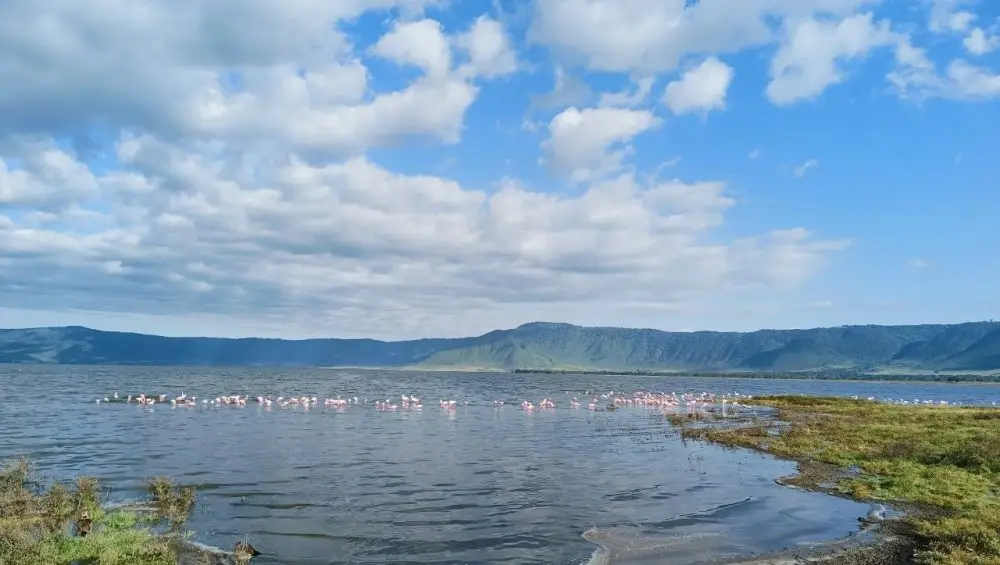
x,y
944,461
60,524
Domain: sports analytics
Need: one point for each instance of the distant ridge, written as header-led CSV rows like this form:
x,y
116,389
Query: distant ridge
x,y
972,346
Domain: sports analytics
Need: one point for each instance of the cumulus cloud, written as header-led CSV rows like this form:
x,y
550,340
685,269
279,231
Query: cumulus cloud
x,y
202,161
655,35
700,89
918,78
971,82
489,48
352,244
951,17
580,143
808,60
981,42
947,16
816,40
45,178
247,73
421,43
813,53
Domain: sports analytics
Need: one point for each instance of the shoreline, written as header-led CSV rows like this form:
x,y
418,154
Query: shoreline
x,y
987,378
942,378
880,541
935,466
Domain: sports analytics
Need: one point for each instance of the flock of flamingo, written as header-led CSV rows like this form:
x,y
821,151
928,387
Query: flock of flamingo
x,y
595,401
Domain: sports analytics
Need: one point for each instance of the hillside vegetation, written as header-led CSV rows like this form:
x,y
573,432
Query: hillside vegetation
x,y
973,346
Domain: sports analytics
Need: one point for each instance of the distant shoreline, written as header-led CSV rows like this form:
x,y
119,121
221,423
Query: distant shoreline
x,y
955,352
942,377
952,377
831,375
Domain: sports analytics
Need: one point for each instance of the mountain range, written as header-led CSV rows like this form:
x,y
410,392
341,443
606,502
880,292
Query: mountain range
x,y
972,346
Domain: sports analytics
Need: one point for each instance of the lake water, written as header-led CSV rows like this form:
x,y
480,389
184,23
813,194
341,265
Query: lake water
x,y
474,485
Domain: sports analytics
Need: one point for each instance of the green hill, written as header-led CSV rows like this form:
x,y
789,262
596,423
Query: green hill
x,y
973,346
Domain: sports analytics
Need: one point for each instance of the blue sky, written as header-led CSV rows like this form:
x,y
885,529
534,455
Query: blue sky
x,y
412,168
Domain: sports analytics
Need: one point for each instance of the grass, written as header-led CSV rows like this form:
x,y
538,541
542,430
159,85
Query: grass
x,y
943,461
59,524
173,504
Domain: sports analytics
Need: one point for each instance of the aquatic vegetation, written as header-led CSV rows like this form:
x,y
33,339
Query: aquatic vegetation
x,y
59,524
243,552
172,503
943,462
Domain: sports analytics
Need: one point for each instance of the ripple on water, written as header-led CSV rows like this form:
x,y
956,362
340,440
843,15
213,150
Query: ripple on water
x,y
474,485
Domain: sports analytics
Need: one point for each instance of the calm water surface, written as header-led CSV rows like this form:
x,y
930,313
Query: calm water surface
x,y
477,485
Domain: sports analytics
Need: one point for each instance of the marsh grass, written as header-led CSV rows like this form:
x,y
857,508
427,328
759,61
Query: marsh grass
x,y
173,503
943,461
59,523
682,418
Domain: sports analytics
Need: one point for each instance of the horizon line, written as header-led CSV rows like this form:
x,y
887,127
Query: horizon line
x,y
536,322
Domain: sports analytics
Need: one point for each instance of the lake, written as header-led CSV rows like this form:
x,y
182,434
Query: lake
x,y
473,485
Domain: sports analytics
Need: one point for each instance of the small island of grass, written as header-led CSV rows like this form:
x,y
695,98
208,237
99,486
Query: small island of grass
x,y
60,524
942,464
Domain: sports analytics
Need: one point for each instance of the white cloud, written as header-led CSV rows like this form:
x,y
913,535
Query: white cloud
x,y
809,58
753,154
649,36
919,263
47,179
352,245
917,78
948,17
421,43
653,177
801,170
568,90
700,89
981,42
629,98
235,182
581,142
259,76
817,40
491,53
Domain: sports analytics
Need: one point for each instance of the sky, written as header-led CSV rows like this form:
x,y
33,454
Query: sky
x,y
413,168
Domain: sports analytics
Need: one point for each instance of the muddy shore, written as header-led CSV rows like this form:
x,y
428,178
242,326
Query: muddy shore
x,y
885,537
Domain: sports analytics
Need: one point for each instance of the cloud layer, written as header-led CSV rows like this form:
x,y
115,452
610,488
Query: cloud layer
x,y
193,158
